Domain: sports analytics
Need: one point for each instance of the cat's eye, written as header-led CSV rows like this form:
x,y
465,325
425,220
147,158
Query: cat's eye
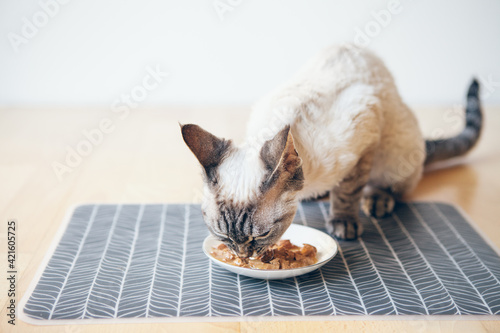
x,y
264,235
224,239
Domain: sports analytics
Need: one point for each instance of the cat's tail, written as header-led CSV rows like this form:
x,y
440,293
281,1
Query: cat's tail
x,y
438,150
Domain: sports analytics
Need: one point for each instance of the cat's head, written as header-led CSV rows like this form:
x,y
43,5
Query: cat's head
x,y
249,194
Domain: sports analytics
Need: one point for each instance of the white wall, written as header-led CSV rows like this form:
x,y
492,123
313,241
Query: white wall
x,y
89,52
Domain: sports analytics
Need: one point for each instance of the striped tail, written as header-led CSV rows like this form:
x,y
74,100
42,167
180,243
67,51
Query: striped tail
x,y
438,150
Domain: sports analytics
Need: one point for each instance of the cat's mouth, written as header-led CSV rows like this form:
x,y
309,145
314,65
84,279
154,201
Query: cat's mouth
x,y
248,250
246,254
250,253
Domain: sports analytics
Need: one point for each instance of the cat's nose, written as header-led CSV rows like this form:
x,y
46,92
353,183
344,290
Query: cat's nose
x,y
244,252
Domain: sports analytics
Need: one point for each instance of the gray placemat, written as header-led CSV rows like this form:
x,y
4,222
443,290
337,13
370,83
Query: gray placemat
x,y
146,261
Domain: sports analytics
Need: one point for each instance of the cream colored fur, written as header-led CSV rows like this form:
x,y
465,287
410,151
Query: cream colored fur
x,y
342,104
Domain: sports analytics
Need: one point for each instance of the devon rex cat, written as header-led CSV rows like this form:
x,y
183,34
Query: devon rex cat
x,y
338,126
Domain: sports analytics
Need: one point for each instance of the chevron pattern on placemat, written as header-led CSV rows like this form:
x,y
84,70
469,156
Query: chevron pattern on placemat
x,y
143,261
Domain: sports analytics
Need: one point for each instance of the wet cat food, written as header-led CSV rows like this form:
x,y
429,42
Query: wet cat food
x,y
282,255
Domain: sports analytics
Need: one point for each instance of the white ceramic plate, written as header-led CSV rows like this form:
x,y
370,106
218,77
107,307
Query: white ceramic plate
x,y
298,234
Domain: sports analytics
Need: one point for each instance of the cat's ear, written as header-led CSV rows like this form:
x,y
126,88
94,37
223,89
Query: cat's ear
x,y
279,153
208,149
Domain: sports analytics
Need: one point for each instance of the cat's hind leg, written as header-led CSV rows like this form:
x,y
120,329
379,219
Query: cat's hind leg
x,y
345,198
377,202
397,165
380,195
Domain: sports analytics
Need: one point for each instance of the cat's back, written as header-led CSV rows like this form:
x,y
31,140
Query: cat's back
x,y
336,71
323,78
339,66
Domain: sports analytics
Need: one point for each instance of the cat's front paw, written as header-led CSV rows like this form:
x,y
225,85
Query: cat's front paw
x,y
345,228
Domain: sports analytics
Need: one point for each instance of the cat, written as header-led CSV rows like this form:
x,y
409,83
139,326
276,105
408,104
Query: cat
x,y
338,127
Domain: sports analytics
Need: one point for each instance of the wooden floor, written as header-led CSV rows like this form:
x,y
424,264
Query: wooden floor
x,y
143,159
